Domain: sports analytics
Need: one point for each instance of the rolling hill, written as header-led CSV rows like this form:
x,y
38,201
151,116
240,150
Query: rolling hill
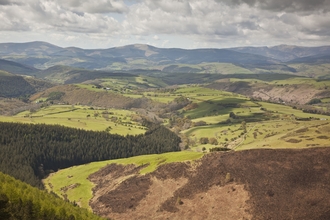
x,y
276,59
17,68
285,53
44,55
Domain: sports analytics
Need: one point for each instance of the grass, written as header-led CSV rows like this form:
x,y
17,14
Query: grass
x,y
79,174
284,134
81,117
4,73
311,70
213,109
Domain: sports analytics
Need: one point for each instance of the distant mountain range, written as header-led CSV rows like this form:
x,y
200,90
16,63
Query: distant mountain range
x,y
43,55
286,53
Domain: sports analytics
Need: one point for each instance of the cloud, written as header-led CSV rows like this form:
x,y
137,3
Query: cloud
x,y
44,15
193,23
90,6
284,5
8,2
5,2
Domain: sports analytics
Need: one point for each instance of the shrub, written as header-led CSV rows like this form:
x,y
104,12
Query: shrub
x,y
203,140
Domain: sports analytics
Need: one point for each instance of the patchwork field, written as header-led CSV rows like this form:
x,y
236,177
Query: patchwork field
x,y
219,115
112,120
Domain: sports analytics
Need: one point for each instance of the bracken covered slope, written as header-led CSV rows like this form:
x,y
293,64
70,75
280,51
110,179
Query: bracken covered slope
x,y
254,184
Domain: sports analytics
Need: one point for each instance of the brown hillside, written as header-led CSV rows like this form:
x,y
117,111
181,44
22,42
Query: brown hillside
x,y
254,184
76,95
296,94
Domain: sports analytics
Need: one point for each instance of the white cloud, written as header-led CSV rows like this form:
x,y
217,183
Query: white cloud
x,y
156,37
193,23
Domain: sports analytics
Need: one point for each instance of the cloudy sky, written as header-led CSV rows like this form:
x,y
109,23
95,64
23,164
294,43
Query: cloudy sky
x,y
166,23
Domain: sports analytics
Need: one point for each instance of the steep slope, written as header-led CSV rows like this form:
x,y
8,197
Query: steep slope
x,y
254,184
19,200
13,86
17,68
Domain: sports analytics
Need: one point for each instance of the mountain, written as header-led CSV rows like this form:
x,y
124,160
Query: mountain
x,y
146,58
284,53
43,55
17,68
12,86
36,48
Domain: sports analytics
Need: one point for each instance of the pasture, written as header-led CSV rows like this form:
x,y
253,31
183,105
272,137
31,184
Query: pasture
x,y
262,121
82,117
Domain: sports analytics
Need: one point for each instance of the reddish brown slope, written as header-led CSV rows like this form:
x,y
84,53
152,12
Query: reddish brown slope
x,y
255,184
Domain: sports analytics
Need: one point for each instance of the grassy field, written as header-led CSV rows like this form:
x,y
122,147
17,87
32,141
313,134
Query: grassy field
x,y
78,174
83,117
214,107
125,84
310,70
285,134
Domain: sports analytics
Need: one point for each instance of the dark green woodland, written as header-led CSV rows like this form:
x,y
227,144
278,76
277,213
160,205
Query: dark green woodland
x,y
30,152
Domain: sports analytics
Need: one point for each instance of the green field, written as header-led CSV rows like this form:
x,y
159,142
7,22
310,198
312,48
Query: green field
x,y
82,117
285,134
78,174
213,109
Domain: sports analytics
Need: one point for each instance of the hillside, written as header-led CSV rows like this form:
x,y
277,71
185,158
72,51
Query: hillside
x,y
294,90
17,68
73,94
251,184
19,200
12,86
284,52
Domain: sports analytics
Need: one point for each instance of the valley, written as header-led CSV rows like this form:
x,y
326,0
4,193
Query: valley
x,y
139,132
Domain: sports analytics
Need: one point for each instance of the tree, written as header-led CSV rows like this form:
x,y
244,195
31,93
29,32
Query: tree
x,y
213,141
232,115
203,140
243,126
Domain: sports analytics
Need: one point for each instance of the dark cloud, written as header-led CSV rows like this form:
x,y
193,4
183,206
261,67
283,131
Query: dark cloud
x,y
284,5
8,2
5,2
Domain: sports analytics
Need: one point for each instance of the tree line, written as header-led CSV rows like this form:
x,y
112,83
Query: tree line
x,y
30,152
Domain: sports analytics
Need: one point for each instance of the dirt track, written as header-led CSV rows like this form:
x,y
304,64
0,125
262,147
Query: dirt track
x,y
254,184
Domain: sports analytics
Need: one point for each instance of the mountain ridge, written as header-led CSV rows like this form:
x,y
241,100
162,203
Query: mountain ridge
x,y
43,55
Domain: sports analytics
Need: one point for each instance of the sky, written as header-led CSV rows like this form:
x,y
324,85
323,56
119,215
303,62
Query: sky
x,y
166,23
